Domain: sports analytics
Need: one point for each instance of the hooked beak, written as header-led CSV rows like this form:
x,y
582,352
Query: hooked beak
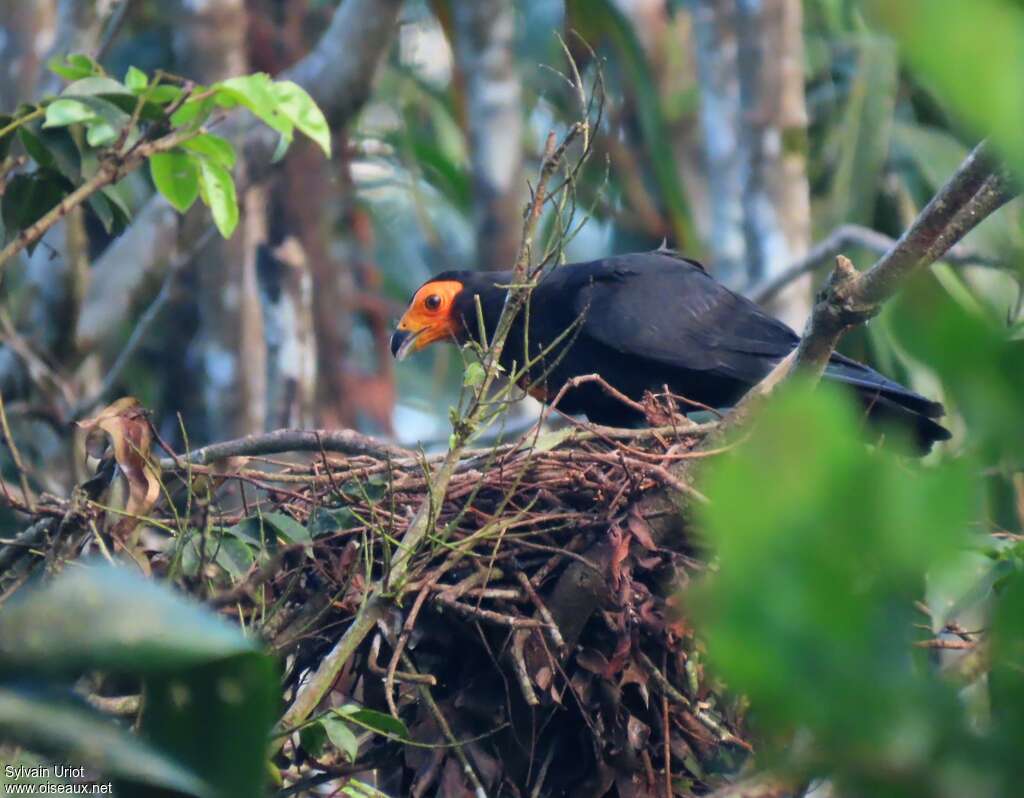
x,y
402,342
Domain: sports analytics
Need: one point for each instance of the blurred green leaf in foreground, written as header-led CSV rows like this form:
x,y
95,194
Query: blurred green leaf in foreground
x,y
209,693
824,544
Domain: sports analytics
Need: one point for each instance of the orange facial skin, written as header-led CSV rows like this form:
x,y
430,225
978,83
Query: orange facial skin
x,y
428,319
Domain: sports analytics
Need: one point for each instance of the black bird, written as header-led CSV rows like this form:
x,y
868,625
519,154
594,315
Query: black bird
x,y
641,321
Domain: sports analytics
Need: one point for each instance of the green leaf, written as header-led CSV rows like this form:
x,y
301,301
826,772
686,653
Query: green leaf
x,y
217,149
818,574
313,738
859,145
193,112
108,618
248,530
971,55
604,18
474,375
74,67
27,198
35,148
5,142
176,177
115,193
53,149
323,521
283,143
981,367
90,87
101,207
100,134
164,94
61,113
234,556
216,719
110,208
341,736
288,527
375,721
54,724
296,104
255,92
217,188
135,79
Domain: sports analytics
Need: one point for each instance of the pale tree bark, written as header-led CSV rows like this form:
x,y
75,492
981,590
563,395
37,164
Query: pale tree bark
x,y
754,121
228,350
291,343
28,34
485,58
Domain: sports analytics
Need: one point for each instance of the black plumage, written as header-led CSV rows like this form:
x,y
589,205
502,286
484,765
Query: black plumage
x,y
644,321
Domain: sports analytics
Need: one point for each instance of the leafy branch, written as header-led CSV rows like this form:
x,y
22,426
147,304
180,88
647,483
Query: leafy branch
x,y
97,130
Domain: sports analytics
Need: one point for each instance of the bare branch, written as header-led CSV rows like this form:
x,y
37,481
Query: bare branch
x,y
977,189
842,239
344,441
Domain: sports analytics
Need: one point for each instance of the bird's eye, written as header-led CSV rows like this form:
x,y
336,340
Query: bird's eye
x,y
432,302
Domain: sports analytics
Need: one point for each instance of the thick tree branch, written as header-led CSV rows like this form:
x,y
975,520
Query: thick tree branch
x,y
977,189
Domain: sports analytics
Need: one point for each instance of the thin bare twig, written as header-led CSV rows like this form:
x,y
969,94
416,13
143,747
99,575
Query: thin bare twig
x,y
841,239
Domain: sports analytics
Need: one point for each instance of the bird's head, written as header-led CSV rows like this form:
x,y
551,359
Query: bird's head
x,y
439,310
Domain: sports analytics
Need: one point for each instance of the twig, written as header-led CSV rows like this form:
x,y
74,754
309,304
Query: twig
x,y
760,786
845,237
519,666
255,578
24,541
545,613
343,441
938,642
490,616
19,464
403,676
123,706
113,27
399,647
665,687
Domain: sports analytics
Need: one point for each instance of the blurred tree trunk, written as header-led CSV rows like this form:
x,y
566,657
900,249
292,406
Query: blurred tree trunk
x,y
53,281
28,34
754,123
485,58
228,351
311,281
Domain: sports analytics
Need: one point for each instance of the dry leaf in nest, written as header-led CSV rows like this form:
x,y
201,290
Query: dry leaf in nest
x,y
125,425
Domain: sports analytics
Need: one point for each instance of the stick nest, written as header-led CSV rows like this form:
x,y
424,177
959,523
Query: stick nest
x,y
535,645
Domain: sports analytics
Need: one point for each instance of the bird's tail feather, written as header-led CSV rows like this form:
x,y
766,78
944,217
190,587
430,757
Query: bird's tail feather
x,y
889,404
